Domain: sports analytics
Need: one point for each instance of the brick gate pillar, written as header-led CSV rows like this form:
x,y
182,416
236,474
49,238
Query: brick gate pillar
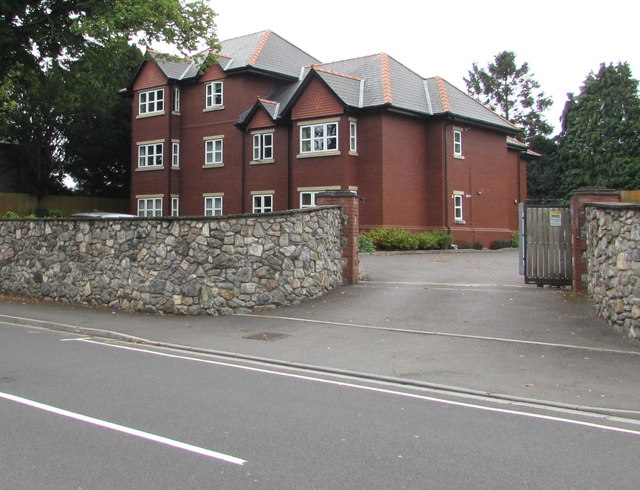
x,y
349,202
578,199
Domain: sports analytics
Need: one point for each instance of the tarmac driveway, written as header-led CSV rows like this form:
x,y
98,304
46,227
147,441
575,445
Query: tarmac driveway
x,y
459,320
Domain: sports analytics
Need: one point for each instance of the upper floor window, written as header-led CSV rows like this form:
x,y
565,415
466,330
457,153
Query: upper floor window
x,y
263,203
151,101
457,143
176,99
175,154
263,146
150,155
149,207
213,151
353,136
319,137
213,206
214,95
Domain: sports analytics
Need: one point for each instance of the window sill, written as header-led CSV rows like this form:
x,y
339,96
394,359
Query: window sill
x,y
214,108
150,168
213,165
261,162
460,222
176,113
458,157
353,153
150,114
317,154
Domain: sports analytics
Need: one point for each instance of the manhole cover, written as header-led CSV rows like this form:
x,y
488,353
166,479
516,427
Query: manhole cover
x,y
266,336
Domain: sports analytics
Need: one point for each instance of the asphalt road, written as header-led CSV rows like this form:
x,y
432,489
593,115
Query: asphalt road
x,y
86,413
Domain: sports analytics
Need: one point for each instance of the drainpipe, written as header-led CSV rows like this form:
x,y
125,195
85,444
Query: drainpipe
x,y
242,177
169,110
446,178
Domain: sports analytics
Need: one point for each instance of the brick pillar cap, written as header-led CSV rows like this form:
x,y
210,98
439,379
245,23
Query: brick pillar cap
x,y
337,193
593,191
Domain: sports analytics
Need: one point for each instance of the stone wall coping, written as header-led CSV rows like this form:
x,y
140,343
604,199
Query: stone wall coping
x,y
597,191
614,205
288,212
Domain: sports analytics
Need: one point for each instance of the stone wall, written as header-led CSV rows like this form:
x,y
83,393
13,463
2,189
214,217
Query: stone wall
x,y
613,258
212,265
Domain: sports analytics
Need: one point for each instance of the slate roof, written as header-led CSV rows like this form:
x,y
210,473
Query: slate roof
x,y
367,82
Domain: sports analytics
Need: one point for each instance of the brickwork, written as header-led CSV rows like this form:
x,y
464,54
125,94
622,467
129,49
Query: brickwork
x,y
578,200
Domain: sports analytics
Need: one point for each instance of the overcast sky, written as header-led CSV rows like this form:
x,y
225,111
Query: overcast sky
x,y
562,40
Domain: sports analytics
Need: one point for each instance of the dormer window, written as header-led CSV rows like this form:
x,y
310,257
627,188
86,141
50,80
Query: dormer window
x,y
151,102
214,96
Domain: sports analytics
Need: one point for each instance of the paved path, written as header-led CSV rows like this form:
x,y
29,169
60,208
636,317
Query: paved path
x,y
460,320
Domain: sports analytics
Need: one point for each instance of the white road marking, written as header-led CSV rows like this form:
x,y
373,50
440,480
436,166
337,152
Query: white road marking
x,y
123,429
396,393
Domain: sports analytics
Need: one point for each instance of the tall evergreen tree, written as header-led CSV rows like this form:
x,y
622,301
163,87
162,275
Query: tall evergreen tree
x,y
600,139
511,91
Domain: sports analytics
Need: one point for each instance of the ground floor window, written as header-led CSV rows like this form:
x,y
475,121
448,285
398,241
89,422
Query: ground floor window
x,y
150,206
457,208
263,203
308,199
213,206
175,206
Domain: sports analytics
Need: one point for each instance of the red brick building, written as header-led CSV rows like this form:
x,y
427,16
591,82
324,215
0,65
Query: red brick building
x,y
268,126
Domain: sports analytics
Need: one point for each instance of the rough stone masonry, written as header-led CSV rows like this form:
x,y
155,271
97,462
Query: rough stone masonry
x,y
613,257
210,265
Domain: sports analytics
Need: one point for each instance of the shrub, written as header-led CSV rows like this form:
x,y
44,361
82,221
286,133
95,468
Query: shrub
x,y
393,239
477,246
463,244
366,246
498,244
398,239
10,214
515,240
44,212
433,240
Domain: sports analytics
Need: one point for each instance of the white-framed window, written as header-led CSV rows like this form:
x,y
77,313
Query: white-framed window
x,y
150,206
353,136
308,199
176,99
213,206
175,154
457,143
175,206
457,208
262,203
213,151
319,137
214,94
151,101
150,155
262,147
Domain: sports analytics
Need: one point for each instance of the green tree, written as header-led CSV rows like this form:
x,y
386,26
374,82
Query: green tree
x,y
511,91
599,143
31,122
97,122
34,32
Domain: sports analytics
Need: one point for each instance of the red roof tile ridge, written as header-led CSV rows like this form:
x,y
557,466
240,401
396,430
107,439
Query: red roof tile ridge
x,y
386,78
442,91
258,50
267,100
332,72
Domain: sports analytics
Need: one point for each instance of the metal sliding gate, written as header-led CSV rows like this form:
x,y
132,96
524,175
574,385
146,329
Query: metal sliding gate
x,y
545,244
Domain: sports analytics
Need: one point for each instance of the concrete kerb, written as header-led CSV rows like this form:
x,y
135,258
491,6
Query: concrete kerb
x,y
609,413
